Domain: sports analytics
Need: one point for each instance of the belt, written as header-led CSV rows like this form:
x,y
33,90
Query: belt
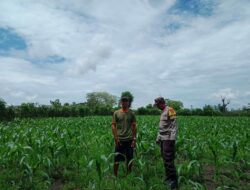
x,y
165,133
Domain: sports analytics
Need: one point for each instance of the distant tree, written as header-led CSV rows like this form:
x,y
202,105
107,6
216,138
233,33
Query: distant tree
x,y
2,109
56,108
43,111
73,110
151,110
176,104
223,107
154,111
247,107
197,111
208,110
66,104
97,99
83,110
149,106
184,111
56,104
66,111
10,113
27,110
103,110
142,111
148,110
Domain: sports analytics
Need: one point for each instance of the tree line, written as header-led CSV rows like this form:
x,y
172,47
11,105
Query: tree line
x,y
103,103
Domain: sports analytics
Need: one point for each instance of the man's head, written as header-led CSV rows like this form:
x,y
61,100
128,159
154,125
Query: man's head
x,y
125,102
128,95
160,103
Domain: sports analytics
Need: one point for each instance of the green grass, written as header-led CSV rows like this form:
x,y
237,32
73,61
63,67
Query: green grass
x,y
77,153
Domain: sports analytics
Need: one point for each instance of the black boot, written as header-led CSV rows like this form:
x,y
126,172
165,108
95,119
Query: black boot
x,y
173,184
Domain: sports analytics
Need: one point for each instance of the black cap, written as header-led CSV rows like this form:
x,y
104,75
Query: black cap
x,y
159,100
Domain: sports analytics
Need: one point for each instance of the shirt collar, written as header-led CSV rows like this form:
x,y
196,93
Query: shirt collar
x,y
124,110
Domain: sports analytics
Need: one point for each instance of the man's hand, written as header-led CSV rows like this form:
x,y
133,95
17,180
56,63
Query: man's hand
x,y
117,142
133,144
158,141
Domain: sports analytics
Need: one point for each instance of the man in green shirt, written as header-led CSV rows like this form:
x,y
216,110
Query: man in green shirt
x,y
124,132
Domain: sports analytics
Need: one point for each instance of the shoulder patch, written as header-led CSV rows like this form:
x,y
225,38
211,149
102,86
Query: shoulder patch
x,y
171,113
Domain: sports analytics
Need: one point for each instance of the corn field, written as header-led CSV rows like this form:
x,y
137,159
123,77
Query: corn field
x,y
77,153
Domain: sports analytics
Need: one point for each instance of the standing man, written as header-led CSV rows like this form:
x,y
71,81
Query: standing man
x,y
166,139
124,132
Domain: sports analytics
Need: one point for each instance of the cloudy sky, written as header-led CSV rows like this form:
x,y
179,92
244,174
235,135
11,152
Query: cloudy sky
x,y
190,50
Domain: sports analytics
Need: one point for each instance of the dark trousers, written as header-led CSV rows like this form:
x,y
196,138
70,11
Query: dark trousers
x,y
125,152
168,155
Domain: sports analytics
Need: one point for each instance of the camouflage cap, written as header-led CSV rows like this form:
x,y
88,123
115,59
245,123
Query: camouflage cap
x,y
125,98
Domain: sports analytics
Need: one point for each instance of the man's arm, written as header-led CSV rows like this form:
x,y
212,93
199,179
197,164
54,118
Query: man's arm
x,y
134,134
114,131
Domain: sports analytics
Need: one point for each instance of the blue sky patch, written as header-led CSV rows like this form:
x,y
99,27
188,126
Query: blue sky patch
x,y
10,40
54,59
194,7
172,27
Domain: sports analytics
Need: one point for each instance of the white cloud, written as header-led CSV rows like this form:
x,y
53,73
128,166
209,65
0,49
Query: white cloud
x,y
83,64
226,93
126,45
18,71
23,95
